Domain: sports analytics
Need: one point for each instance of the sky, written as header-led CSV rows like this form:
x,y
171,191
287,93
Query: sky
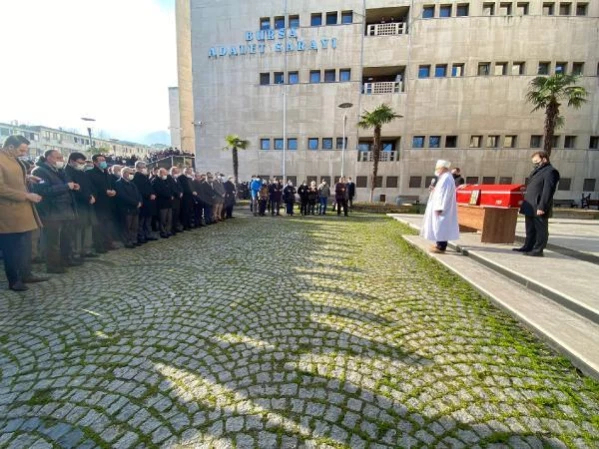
x,y
112,60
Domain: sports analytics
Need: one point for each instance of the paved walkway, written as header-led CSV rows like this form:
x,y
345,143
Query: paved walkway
x,y
265,333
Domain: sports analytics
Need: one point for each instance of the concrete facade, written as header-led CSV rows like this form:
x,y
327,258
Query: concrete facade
x,y
183,19
495,56
175,117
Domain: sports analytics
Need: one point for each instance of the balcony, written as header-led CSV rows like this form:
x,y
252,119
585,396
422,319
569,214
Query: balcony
x,y
383,80
386,156
386,29
385,87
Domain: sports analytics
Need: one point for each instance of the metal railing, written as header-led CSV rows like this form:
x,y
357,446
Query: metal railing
x,y
385,87
386,156
386,29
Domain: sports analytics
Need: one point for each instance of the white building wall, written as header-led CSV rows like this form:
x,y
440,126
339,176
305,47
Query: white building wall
x,y
175,117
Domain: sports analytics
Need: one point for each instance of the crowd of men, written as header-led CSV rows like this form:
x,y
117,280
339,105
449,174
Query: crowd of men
x,y
62,212
269,196
169,152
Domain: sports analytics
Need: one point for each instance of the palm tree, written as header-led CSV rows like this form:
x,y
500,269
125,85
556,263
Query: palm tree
x,y
376,119
235,143
546,92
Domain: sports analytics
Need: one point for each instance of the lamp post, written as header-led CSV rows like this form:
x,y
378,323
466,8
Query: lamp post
x,y
344,106
88,121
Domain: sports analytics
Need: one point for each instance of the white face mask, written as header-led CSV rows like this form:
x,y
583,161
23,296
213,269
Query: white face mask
x,y
164,178
130,177
59,164
80,167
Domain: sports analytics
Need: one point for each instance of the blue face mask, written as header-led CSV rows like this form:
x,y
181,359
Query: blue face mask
x,y
103,165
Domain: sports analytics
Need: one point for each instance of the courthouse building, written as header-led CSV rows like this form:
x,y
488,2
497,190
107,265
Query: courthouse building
x,y
276,72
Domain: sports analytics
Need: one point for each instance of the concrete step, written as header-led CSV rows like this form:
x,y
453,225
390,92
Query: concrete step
x,y
566,331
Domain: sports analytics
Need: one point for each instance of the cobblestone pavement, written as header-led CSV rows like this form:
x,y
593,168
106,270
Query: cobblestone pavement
x,y
264,333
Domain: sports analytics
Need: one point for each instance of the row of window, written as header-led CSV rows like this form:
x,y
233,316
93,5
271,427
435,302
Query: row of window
x,y
494,141
314,143
316,19
316,76
503,9
500,69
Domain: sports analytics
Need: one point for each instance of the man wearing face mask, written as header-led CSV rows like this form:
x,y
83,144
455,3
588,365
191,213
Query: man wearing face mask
x,y
129,202
230,196
177,195
289,197
440,223
164,202
187,200
538,204
57,211
303,192
219,197
84,202
206,196
105,206
148,209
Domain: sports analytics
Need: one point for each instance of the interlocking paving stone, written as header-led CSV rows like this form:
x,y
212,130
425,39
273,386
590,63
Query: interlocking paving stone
x,y
260,333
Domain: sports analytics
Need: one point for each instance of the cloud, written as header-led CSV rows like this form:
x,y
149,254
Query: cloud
x,y
108,59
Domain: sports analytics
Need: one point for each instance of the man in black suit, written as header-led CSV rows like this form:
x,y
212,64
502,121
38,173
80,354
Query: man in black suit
x,y
538,203
104,206
129,201
351,192
148,208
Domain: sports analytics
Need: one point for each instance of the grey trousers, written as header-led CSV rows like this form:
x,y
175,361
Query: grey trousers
x,y
166,221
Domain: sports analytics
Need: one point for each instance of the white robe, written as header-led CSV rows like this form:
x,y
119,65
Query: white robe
x,y
445,227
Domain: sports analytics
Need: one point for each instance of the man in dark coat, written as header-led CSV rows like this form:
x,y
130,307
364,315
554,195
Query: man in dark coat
x,y
129,201
302,191
230,196
351,192
341,196
102,184
207,195
538,204
289,197
187,200
56,210
275,192
84,201
164,202
177,196
148,208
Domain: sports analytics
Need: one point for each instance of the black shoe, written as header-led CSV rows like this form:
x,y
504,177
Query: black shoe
x,y
151,239
37,260
31,279
130,246
534,254
522,249
56,270
101,251
90,256
18,287
74,263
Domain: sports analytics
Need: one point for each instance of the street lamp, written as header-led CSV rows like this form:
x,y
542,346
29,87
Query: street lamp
x,y
89,129
344,106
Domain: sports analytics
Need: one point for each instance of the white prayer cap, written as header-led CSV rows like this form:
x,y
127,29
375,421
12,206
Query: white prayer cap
x,y
443,164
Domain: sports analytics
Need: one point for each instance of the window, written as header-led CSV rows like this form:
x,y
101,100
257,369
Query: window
x,y
561,67
265,23
555,142
316,20
364,146
484,68
347,17
522,9
505,180
457,70
543,68
462,10
361,182
292,144
451,141
315,76
278,144
445,11
577,68
428,12
434,141
418,142
415,182
476,141
441,71
564,9
293,77
581,9
428,180
294,21
500,68
488,179
265,144
279,23
536,141
332,18
564,184
570,142
264,79
492,141
392,182
327,143
345,75
505,9
471,179
548,9
509,141
518,68
488,9
378,182
588,185
330,76
424,71
279,78
594,143
313,143
340,143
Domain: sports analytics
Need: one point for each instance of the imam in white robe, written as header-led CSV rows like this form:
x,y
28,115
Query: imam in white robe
x,y
445,227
